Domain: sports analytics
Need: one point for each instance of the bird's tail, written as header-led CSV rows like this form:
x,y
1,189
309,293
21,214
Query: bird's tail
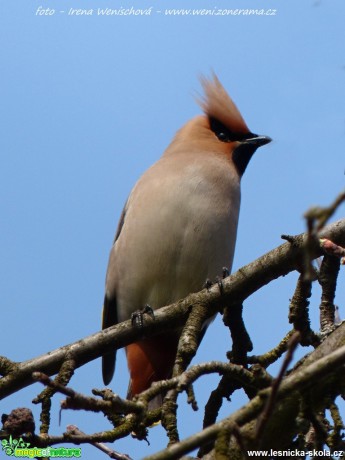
x,y
154,404
109,318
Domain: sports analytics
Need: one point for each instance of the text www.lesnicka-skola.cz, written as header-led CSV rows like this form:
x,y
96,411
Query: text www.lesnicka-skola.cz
x,y
293,453
42,11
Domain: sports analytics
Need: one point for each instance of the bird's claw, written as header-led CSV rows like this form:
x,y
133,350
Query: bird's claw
x,y
137,317
208,283
219,281
220,285
225,272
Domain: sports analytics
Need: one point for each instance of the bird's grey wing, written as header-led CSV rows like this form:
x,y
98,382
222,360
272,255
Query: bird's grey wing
x,y
110,316
121,221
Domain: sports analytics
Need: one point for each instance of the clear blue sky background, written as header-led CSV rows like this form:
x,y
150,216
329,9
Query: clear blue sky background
x,y
89,102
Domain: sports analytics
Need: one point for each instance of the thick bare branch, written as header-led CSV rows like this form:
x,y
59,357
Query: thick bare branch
x,y
236,288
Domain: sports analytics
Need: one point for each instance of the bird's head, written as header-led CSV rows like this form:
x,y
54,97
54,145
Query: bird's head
x,y
222,129
227,126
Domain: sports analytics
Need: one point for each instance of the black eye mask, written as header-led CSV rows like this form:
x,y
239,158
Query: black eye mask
x,y
224,134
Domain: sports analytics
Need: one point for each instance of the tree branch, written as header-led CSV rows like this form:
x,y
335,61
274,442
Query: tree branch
x,y
315,372
236,288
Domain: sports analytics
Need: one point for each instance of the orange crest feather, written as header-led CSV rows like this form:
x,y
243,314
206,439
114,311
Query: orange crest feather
x,y
216,103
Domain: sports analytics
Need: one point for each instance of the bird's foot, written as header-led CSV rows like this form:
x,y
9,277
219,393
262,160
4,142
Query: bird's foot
x,y
219,281
225,272
208,283
137,318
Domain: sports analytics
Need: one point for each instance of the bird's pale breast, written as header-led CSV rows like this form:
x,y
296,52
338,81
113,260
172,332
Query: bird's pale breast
x,y
179,229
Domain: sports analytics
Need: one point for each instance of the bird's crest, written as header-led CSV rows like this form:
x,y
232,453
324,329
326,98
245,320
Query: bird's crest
x,y
216,103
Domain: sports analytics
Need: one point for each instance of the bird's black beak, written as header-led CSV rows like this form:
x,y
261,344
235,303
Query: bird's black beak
x,y
257,141
247,147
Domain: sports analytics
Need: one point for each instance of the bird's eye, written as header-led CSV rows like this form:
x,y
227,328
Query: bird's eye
x,y
222,137
221,131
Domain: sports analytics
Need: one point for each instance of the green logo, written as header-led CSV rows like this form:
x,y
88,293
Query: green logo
x,y
20,449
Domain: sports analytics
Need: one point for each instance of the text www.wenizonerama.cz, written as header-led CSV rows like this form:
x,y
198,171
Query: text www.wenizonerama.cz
x,y
41,11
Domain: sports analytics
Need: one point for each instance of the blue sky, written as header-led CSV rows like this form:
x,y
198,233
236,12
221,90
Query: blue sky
x,y
89,102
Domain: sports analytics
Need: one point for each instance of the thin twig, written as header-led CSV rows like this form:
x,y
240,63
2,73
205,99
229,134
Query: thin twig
x,y
294,341
72,429
77,401
273,355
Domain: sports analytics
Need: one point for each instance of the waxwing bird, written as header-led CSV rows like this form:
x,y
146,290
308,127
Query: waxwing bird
x,y
178,228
